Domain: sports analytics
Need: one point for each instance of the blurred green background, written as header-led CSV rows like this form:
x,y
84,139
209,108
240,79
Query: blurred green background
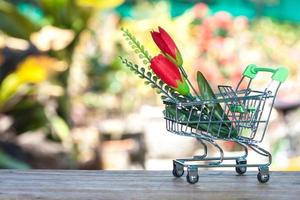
x,y
67,102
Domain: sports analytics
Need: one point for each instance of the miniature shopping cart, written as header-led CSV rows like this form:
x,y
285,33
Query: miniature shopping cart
x,y
246,114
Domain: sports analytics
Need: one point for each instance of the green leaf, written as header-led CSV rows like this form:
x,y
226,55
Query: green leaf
x,y
60,127
186,116
15,24
149,75
166,87
142,70
206,93
205,90
8,162
161,83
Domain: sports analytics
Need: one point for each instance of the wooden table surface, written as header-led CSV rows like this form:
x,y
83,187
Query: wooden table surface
x,y
93,185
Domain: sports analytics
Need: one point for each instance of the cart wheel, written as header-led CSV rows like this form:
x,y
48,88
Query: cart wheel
x,y
191,178
263,175
263,178
178,170
241,170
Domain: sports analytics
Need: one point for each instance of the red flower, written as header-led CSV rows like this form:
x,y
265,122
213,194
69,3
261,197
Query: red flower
x,y
168,72
167,45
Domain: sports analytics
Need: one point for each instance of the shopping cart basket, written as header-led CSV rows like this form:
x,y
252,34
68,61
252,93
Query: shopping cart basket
x,y
245,119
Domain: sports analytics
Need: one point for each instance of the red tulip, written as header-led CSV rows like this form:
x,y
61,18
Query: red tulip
x,y
168,72
167,45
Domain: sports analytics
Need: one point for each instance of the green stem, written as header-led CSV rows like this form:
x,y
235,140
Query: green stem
x,y
190,84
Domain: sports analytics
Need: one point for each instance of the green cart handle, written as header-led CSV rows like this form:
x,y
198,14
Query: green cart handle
x,y
280,74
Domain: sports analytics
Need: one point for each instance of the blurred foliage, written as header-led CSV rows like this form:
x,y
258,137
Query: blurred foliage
x,y
33,90
9,162
100,74
35,115
14,23
32,70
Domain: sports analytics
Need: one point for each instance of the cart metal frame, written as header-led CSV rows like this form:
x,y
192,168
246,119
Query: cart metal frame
x,y
246,113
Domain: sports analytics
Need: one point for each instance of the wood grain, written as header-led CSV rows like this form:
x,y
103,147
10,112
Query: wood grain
x,y
108,185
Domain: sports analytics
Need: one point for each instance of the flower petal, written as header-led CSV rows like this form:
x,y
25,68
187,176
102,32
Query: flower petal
x,y
166,70
169,42
162,45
